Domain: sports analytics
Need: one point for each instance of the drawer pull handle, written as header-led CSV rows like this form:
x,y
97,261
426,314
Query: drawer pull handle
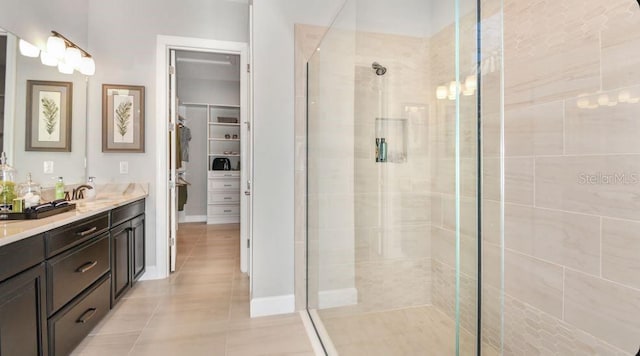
x,y
227,185
87,266
227,211
228,198
87,232
86,316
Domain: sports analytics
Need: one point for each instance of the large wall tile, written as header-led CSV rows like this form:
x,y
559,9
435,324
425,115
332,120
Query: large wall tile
x,y
620,55
393,284
408,242
567,239
605,309
554,75
587,184
603,129
534,281
620,246
518,179
534,130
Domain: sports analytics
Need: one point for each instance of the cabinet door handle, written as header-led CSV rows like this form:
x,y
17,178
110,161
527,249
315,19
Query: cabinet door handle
x,y
86,316
87,266
87,232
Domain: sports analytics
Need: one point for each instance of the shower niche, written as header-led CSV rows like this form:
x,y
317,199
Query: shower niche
x,y
393,132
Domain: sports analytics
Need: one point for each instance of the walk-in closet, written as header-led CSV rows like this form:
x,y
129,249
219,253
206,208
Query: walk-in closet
x,y
209,136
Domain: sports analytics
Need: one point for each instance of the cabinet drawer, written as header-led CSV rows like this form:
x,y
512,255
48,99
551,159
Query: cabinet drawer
x,y
223,198
20,255
224,210
76,233
127,212
70,273
74,322
224,184
224,174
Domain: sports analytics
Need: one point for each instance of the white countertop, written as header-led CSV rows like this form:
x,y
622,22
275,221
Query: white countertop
x,y
108,196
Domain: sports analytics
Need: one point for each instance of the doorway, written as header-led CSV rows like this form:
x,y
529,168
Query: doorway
x,y
202,83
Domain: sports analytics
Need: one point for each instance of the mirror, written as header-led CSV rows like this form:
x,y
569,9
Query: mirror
x,y
45,165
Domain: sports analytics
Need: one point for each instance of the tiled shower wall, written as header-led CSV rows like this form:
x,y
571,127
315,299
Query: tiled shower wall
x,y
572,122
392,207
572,162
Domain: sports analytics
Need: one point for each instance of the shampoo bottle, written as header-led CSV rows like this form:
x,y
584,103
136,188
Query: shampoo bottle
x,y
383,150
59,189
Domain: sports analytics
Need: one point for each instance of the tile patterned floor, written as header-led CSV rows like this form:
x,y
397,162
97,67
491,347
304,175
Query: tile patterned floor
x,y
419,331
202,309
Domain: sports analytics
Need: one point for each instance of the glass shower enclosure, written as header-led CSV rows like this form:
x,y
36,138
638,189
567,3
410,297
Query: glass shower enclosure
x,y
473,174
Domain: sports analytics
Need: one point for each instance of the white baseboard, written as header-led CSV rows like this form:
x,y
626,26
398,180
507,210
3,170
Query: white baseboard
x,y
151,273
337,298
192,218
282,304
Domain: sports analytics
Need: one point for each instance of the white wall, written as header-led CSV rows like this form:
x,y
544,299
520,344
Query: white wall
x,y
122,38
273,63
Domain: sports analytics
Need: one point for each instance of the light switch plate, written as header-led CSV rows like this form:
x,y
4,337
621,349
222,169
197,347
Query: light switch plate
x,y
48,167
124,167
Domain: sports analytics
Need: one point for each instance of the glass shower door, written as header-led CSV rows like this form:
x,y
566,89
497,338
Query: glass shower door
x,y
393,184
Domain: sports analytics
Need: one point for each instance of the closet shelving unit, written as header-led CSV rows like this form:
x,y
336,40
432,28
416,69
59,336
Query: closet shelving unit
x,y
223,187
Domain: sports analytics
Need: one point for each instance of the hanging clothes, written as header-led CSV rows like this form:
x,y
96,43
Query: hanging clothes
x,y
185,137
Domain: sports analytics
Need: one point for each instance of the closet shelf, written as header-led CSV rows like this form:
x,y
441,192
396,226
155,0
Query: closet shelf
x,y
222,124
212,105
225,139
223,155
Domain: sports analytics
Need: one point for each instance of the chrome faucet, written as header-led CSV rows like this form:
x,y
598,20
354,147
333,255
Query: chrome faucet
x,y
78,192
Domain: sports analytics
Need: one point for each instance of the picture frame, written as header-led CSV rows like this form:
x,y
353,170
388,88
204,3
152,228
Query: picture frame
x,y
48,116
123,127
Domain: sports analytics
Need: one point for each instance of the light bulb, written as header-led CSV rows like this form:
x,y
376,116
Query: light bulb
x,y
72,57
28,50
65,68
442,92
453,89
583,103
603,100
56,47
47,59
624,96
87,66
471,83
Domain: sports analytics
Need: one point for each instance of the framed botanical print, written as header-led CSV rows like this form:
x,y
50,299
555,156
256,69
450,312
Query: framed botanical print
x,y
122,118
49,108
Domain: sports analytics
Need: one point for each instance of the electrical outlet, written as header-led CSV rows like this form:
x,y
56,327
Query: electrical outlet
x,y
48,167
124,167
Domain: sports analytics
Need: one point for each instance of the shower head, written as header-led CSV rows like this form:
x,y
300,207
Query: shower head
x,y
380,70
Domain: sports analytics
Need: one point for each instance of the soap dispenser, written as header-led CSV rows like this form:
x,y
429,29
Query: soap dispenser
x,y
59,189
91,193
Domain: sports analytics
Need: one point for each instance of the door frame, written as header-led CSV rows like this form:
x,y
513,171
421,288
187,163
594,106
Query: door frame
x,y
163,45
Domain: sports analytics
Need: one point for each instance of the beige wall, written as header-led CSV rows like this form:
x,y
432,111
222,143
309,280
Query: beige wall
x,y
569,273
393,258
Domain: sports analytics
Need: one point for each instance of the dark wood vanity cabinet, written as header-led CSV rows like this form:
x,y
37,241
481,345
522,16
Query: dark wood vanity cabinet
x,y
127,248
23,319
56,287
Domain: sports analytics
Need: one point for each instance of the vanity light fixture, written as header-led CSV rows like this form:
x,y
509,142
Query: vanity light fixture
x,y
28,50
67,55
